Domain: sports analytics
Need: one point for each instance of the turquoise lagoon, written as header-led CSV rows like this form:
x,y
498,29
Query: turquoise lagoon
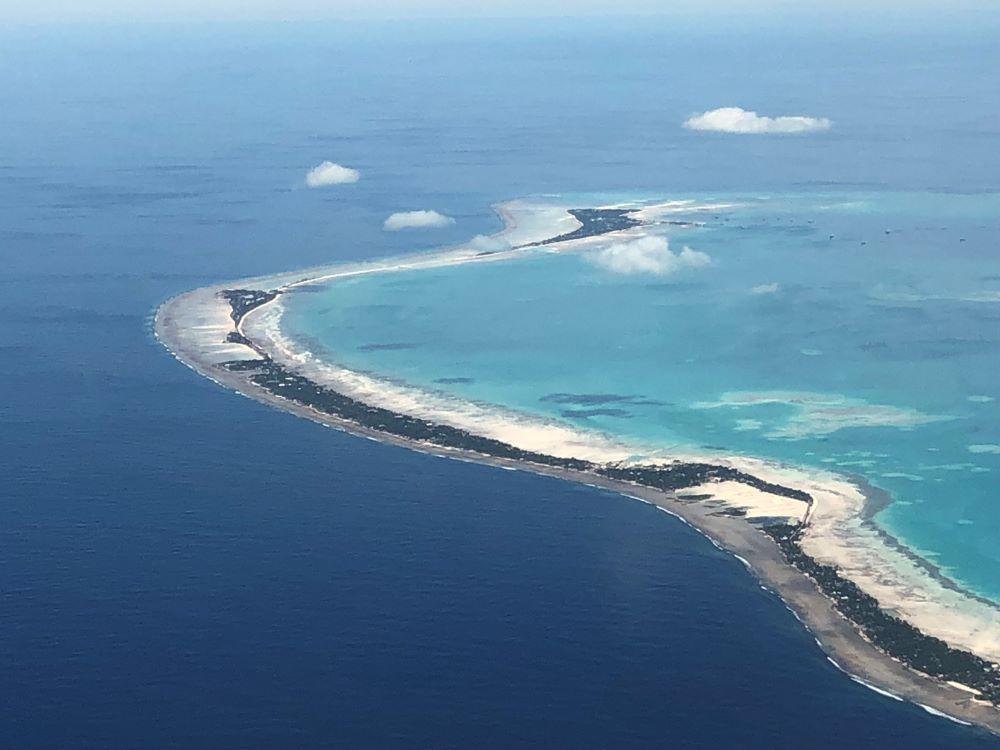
x,y
857,332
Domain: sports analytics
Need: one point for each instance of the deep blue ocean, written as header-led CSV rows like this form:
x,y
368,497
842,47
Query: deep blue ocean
x,y
182,567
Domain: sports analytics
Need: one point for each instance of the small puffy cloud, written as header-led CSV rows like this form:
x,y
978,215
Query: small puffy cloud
x,y
416,220
329,173
738,120
489,243
772,288
647,255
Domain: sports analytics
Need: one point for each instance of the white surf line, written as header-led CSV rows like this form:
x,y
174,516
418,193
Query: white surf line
x,y
878,690
642,500
881,691
678,517
888,694
714,543
943,715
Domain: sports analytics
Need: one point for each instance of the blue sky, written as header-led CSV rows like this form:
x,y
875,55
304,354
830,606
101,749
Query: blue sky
x,y
16,11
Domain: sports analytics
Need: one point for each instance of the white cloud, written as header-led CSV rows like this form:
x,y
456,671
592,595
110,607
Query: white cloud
x,y
772,288
416,220
650,255
329,173
489,243
738,120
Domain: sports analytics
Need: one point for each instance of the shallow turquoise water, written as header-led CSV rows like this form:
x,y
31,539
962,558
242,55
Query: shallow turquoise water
x,y
885,306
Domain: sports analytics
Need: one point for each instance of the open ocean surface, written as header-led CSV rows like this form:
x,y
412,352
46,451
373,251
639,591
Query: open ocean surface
x,y
181,567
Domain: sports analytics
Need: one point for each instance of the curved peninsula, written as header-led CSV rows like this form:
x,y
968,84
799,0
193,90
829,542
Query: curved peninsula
x,y
882,614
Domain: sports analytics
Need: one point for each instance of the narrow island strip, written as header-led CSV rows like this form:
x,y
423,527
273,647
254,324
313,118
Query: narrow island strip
x,y
799,533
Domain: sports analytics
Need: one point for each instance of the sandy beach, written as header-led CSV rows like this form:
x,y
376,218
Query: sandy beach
x,y
838,532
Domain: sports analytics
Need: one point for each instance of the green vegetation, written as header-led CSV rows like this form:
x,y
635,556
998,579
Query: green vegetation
x,y
890,634
678,475
282,382
596,221
243,301
235,337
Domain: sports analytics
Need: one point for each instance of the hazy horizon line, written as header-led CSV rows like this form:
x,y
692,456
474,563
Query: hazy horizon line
x,y
186,12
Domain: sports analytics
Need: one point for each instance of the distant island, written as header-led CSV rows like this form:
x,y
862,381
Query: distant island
x,y
773,518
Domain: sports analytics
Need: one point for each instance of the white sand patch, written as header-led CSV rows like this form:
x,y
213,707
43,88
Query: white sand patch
x,y
528,222
209,322
838,535
756,503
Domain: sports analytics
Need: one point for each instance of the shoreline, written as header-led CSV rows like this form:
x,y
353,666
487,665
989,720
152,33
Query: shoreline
x,y
190,326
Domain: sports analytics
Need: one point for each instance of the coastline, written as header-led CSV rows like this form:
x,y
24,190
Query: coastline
x,y
197,328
